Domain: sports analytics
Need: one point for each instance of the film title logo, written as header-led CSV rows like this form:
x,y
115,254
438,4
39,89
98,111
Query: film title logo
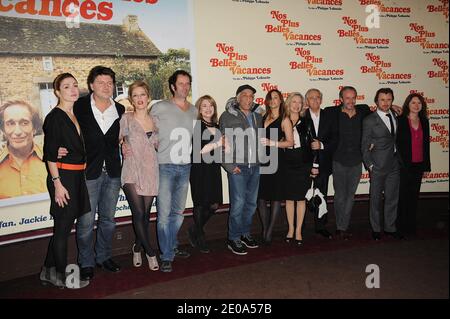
x,y
283,19
437,114
442,8
378,68
442,137
266,87
356,32
309,65
388,11
87,9
284,28
442,73
427,99
436,176
325,4
422,37
232,59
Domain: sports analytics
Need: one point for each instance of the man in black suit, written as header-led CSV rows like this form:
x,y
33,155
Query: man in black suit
x,y
99,118
325,139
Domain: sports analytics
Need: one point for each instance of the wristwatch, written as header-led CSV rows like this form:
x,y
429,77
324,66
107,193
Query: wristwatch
x,y
55,178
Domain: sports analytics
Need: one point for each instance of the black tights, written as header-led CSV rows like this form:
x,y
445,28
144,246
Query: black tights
x,y
140,209
57,248
268,217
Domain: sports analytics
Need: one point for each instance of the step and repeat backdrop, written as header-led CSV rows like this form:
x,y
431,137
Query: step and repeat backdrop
x,y
291,45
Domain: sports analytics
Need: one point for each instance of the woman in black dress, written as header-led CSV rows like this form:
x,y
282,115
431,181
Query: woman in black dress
x,y
278,136
413,144
299,170
205,177
65,180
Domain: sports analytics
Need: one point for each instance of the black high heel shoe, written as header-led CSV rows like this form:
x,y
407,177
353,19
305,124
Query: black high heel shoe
x,y
288,239
299,242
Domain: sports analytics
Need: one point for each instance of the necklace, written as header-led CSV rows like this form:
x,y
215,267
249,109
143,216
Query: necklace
x,y
208,124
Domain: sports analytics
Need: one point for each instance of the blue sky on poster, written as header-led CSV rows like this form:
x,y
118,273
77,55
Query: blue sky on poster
x,y
167,22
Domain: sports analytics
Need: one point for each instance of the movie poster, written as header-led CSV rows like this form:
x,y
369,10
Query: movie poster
x,y
146,40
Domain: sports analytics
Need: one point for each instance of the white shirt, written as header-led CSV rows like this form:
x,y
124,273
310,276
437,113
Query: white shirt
x,y
385,119
297,143
316,120
106,119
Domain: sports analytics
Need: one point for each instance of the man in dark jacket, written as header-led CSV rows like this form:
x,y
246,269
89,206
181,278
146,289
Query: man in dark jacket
x,y
99,117
325,140
240,126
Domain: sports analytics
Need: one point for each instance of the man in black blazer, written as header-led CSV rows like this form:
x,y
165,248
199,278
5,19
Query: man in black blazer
x,y
325,139
346,156
381,158
99,116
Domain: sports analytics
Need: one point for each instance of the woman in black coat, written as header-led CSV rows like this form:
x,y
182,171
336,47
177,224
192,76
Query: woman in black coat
x,y
66,180
413,144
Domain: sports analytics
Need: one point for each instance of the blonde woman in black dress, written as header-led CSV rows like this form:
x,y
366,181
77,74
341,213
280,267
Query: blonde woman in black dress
x,y
298,167
66,179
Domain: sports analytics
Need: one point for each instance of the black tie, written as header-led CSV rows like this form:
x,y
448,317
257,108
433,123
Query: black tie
x,y
391,123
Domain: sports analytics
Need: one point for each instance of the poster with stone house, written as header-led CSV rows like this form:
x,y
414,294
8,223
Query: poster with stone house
x,y
138,41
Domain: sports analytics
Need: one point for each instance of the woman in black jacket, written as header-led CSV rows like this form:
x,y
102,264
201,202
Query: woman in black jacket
x,y
298,166
66,180
413,144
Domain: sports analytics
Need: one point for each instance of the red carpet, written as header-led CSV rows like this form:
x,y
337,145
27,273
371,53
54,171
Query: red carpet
x,y
105,283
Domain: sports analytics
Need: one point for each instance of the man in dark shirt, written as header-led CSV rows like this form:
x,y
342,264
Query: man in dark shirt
x,y
347,158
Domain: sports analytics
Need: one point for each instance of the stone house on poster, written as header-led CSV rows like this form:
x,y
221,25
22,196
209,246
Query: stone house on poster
x,y
34,51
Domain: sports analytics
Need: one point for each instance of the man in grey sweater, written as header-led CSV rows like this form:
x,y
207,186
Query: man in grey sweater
x,y
240,126
175,120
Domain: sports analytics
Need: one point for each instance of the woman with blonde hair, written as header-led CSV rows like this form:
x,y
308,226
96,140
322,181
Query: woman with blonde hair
x,y
140,169
298,167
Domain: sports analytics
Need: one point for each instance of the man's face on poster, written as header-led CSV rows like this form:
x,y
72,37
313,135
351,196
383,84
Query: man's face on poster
x,y
18,127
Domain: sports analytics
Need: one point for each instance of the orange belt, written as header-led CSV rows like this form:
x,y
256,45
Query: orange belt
x,y
71,167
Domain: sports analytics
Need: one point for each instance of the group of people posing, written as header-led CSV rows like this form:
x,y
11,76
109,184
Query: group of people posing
x,y
271,153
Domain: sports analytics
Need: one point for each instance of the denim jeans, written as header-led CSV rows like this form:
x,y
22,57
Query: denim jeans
x,y
103,196
170,204
243,190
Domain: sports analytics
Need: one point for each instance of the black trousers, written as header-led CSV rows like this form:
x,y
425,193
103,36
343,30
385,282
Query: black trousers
x,y
410,182
321,182
57,248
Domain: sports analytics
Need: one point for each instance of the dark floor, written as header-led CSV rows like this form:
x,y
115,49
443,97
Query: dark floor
x,y
415,268
409,269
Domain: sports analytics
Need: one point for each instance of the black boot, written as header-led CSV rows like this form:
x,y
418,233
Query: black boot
x,y
205,215
48,275
193,231
60,280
